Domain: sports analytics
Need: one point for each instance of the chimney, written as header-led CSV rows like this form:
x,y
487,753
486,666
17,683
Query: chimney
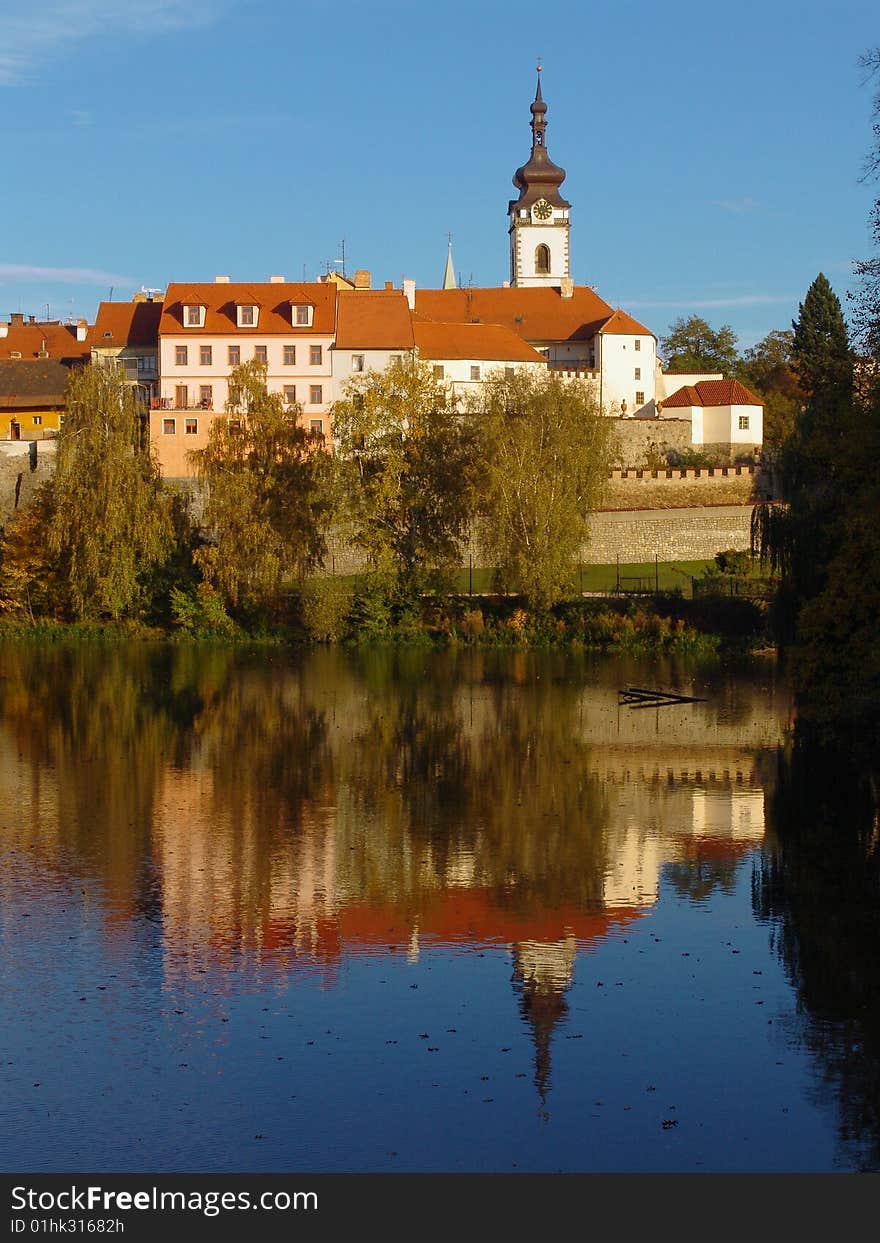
x,y
4,330
221,280
362,279
16,317
82,327
566,287
409,292
32,319
505,284
43,352
276,280
389,284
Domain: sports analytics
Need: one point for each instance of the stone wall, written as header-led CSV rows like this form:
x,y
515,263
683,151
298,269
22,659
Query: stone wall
x,y
635,438
24,465
684,488
694,534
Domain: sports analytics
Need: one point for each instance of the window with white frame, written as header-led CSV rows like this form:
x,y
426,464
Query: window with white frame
x,y
357,362
316,394
743,422
303,316
316,426
190,427
247,316
195,316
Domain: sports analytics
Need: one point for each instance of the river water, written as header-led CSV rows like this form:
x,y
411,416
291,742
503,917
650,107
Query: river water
x,y
418,911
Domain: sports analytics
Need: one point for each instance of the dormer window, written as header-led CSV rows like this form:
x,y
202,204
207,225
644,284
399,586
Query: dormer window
x,y
194,316
303,315
247,315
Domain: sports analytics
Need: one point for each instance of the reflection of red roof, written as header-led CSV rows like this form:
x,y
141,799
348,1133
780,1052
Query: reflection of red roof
x,y
720,848
451,917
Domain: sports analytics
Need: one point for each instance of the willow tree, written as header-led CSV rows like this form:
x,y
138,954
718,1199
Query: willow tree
x,y
265,506
545,454
406,460
110,523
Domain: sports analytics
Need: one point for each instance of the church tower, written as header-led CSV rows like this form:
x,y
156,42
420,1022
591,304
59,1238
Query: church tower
x,y
539,218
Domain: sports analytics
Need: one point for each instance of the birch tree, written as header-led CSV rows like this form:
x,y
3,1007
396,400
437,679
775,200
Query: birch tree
x,y
110,522
545,454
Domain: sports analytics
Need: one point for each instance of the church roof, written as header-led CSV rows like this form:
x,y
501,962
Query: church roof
x,y
482,342
373,319
713,393
273,299
536,314
624,325
539,177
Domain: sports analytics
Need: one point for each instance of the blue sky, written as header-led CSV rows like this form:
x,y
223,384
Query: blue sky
x,y
713,152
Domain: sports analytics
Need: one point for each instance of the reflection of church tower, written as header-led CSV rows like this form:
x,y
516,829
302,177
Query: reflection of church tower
x,y
542,972
539,223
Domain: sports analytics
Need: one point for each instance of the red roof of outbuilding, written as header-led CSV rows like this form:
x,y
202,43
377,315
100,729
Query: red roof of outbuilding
x,y
60,341
713,393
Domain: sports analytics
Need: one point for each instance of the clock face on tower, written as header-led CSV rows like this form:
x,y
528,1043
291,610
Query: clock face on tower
x,y
543,210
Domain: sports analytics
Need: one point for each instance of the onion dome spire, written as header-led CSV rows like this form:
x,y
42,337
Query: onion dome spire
x,y
540,178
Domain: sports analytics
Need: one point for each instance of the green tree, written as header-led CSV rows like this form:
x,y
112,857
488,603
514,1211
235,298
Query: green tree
x,y
110,523
692,345
266,505
767,368
545,455
406,461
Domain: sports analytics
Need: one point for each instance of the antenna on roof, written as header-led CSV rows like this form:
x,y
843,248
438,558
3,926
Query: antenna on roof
x,y
110,299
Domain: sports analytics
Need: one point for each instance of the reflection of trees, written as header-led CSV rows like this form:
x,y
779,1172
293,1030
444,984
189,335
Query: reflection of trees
x,y
480,765
97,724
697,879
820,887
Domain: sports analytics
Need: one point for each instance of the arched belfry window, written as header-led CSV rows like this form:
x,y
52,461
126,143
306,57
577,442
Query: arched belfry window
x,y
542,260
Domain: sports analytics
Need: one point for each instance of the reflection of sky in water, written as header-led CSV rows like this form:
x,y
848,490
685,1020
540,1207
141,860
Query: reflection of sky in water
x,y
345,915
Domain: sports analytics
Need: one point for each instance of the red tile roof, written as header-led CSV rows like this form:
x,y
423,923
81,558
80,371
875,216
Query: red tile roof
x,y
60,341
127,323
374,319
274,301
535,314
624,325
713,393
483,342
